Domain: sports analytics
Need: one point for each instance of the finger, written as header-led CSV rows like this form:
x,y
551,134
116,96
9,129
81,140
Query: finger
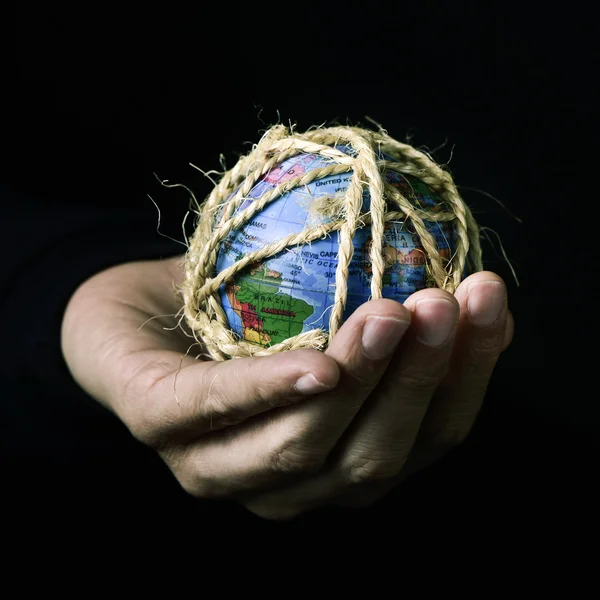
x,y
374,449
295,440
381,437
362,348
481,337
366,474
190,398
418,459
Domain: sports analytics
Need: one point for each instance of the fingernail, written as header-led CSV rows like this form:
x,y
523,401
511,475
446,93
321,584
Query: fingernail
x,y
309,384
436,321
485,307
381,335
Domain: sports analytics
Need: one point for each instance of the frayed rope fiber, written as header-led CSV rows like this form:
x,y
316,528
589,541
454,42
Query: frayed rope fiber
x,y
221,214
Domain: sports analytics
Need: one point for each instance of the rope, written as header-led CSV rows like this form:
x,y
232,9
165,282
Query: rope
x,y
220,214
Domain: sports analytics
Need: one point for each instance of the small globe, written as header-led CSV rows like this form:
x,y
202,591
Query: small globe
x,y
294,291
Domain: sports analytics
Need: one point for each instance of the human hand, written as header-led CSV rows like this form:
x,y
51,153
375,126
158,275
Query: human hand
x,y
423,405
245,428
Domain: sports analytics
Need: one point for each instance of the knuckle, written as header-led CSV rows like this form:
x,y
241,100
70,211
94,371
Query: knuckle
x,y
421,381
363,470
214,404
482,355
268,390
147,431
288,458
142,376
200,487
364,378
194,478
488,345
140,408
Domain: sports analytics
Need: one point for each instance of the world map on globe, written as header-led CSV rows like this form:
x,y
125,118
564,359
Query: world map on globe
x,y
294,290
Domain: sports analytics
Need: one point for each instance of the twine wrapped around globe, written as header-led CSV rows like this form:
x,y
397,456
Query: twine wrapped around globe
x,y
365,156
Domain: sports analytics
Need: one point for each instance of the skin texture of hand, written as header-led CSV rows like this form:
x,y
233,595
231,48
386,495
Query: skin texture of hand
x,y
398,386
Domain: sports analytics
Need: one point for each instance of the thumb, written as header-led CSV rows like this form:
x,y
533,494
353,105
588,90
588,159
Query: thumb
x,y
204,396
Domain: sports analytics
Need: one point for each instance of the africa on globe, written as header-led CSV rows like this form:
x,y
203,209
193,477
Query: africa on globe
x,y
308,227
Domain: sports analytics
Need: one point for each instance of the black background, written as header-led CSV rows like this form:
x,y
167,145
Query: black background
x,y
98,100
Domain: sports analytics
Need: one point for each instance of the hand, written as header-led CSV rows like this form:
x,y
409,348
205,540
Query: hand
x,y
424,405
249,428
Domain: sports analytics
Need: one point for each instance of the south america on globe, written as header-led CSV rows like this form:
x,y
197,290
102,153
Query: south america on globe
x,y
308,227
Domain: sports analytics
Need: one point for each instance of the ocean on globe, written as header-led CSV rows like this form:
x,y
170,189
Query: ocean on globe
x,y
294,291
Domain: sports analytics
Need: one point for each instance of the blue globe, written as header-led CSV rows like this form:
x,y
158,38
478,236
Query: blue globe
x,y
294,291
